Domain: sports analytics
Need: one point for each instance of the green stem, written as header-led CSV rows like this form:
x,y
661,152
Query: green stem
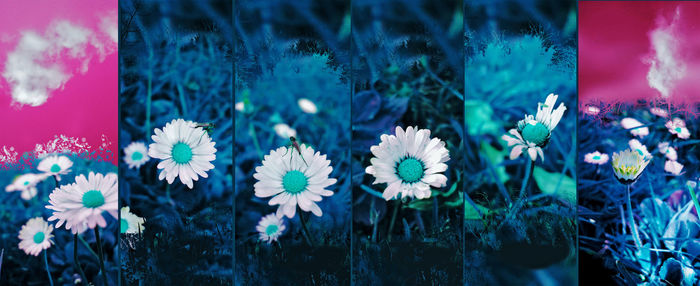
x,y
695,199
523,193
75,260
149,94
46,263
307,235
633,225
394,214
251,130
102,260
88,247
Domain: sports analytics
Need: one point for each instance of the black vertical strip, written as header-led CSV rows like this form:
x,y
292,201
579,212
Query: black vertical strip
x,y
234,48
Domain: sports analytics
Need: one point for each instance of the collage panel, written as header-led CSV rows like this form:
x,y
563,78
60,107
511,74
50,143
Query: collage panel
x,y
407,134
58,117
638,143
176,142
292,89
520,143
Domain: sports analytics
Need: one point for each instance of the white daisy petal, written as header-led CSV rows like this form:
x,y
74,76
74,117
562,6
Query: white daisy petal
x,y
80,205
35,236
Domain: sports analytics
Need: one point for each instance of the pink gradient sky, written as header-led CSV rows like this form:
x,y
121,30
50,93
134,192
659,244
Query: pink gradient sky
x,y
87,105
613,40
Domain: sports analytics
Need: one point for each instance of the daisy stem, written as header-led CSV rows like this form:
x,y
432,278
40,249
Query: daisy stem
x,y
46,263
633,225
695,199
523,192
82,240
307,235
102,260
397,206
149,94
75,259
251,130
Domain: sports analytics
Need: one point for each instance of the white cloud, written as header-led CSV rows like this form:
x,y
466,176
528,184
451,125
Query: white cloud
x,y
41,64
666,67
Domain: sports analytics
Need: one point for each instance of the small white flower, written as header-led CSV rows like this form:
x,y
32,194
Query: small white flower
x,y
55,166
659,112
628,165
596,158
307,106
240,106
409,163
80,205
592,110
519,145
136,154
25,183
129,222
634,126
677,127
294,180
270,228
185,151
35,236
639,147
673,167
533,132
284,131
670,152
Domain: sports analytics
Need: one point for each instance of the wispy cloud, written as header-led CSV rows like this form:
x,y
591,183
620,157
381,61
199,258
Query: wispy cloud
x,y
666,65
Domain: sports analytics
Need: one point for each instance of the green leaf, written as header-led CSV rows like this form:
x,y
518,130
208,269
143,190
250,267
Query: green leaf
x,y
547,182
471,213
479,115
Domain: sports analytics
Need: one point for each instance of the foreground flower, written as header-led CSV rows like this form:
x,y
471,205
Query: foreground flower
x,y
293,180
307,106
55,166
659,112
677,127
35,236
284,131
633,125
80,205
26,184
409,163
129,222
628,165
670,152
270,228
519,145
136,154
185,151
639,147
596,158
533,133
673,167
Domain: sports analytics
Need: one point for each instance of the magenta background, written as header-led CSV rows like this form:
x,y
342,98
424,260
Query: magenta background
x,y
86,107
613,40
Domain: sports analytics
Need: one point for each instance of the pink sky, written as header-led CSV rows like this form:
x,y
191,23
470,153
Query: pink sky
x,y
614,38
87,104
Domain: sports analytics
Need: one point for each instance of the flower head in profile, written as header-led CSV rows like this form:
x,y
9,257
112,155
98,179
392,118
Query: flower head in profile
x,y
294,179
80,205
659,112
270,227
677,127
26,184
634,126
668,151
136,154
533,132
284,131
307,106
628,165
409,162
673,167
35,236
55,166
185,151
129,222
596,158
635,145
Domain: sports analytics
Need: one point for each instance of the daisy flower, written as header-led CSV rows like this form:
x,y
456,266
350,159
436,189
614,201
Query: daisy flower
x,y
592,110
677,127
136,154
533,132
284,131
25,183
307,106
635,145
291,180
673,167
129,222
670,152
596,158
628,165
409,163
634,126
35,236
55,166
240,106
185,151
659,112
270,228
80,205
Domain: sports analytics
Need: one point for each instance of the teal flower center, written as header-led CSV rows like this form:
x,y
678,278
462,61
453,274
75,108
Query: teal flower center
x,y
410,170
294,182
537,133
26,183
93,199
182,153
678,129
596,157
137,156
641,153
271,229
55,168
123,225
39,237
